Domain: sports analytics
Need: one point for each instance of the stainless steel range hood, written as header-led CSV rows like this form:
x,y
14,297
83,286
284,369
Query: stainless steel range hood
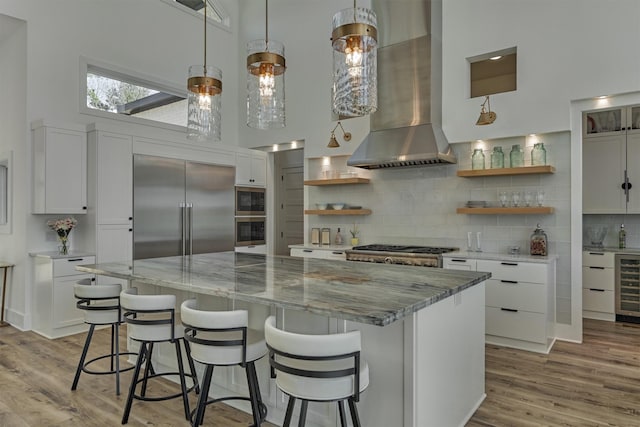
x,y
406,130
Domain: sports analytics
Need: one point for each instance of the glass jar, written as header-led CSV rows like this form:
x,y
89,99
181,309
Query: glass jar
x,y
477,159
516,157
538,155
538,242
497,158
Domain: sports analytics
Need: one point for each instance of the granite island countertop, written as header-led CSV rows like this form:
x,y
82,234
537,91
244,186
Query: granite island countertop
x,y
370,293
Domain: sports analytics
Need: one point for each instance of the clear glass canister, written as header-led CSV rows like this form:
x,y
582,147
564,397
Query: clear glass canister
x,y
516,156
477,159
497,158
538,242
538,155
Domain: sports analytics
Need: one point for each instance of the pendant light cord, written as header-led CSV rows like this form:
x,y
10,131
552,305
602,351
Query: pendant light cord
x,y
266,23
205,37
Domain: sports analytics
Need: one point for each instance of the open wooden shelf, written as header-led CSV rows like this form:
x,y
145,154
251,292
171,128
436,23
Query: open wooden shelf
x,y
525,170
337,181
337,211
540,210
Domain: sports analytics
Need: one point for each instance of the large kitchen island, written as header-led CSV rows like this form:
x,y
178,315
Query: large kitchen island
x,y
422,328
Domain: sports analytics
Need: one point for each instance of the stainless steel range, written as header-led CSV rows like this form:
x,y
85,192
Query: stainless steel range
x,y
423,256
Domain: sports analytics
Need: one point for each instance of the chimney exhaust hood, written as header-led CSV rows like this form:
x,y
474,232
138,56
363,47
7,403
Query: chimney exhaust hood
x,y
406,130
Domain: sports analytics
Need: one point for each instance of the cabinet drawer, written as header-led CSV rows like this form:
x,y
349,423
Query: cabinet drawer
x,y
337,255
598,277
519,295
598,259
520,325
307,253
518,271
459,264
595,300
67,266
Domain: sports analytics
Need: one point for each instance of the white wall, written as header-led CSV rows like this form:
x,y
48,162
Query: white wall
x,y
567,50
13,69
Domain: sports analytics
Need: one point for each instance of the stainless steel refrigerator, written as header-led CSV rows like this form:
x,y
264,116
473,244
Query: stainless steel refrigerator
x,y
181,207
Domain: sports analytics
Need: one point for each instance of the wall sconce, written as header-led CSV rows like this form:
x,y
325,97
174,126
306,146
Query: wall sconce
x,y
333,142
486,116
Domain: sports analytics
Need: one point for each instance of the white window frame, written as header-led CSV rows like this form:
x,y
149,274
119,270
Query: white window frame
x,y
6,191
120,73
215,5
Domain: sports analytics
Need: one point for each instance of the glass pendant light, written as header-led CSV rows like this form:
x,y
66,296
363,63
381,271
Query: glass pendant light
x,y
265,81
355,41
204,99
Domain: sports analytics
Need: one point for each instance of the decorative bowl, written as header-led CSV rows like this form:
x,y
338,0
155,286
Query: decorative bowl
x,y
337,206
321,206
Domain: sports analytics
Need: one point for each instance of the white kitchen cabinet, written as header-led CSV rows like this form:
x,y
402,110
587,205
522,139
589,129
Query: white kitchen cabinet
x,y
598,285
55,313
251,169
114,243
519,299
611,145
321,253
59,169
111,177
459,263
251,249
110,197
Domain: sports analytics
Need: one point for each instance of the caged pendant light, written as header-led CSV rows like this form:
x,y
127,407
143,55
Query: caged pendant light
x,y
204,99
265,81
354,39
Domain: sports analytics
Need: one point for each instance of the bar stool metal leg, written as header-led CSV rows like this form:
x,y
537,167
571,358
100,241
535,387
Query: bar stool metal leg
x,y
354,413
134,381
87,341
343,418
289,413
183,381
204,394
303,413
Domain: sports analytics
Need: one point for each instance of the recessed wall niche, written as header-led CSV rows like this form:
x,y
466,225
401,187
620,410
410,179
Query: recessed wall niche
x,y
493,72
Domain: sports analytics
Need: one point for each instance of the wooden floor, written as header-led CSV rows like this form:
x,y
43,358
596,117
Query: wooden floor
x,y
596,383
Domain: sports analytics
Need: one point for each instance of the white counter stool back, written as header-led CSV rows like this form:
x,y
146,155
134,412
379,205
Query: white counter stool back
x,y
223,338
101,306
317,368
152,319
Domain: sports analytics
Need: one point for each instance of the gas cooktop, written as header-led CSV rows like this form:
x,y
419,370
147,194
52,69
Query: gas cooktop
x,y
404,249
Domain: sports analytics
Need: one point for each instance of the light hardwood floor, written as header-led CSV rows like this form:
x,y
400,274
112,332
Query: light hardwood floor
x,y
596,383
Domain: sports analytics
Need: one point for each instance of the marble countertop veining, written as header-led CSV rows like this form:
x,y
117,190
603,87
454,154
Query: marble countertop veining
x,y
502,257
57,255
371,293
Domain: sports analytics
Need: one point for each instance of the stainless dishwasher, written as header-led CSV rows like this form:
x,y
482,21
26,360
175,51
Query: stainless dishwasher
x,y
628,287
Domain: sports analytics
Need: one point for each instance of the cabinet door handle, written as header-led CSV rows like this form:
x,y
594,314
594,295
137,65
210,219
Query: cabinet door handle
x,y
130,218
596,290
84,208
131,229
337,253
458,260
511,310
597,268
75,259
509,263
307,250
509,281
596,253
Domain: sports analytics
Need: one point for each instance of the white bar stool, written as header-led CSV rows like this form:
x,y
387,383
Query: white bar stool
x,y
101,306
152,319
223,338
317,368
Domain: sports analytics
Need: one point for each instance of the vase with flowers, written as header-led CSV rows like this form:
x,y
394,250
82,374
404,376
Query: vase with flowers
x,y
62,227
354,235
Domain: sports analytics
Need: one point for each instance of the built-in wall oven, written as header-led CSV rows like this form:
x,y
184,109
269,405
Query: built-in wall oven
x,y
250,201
250,231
